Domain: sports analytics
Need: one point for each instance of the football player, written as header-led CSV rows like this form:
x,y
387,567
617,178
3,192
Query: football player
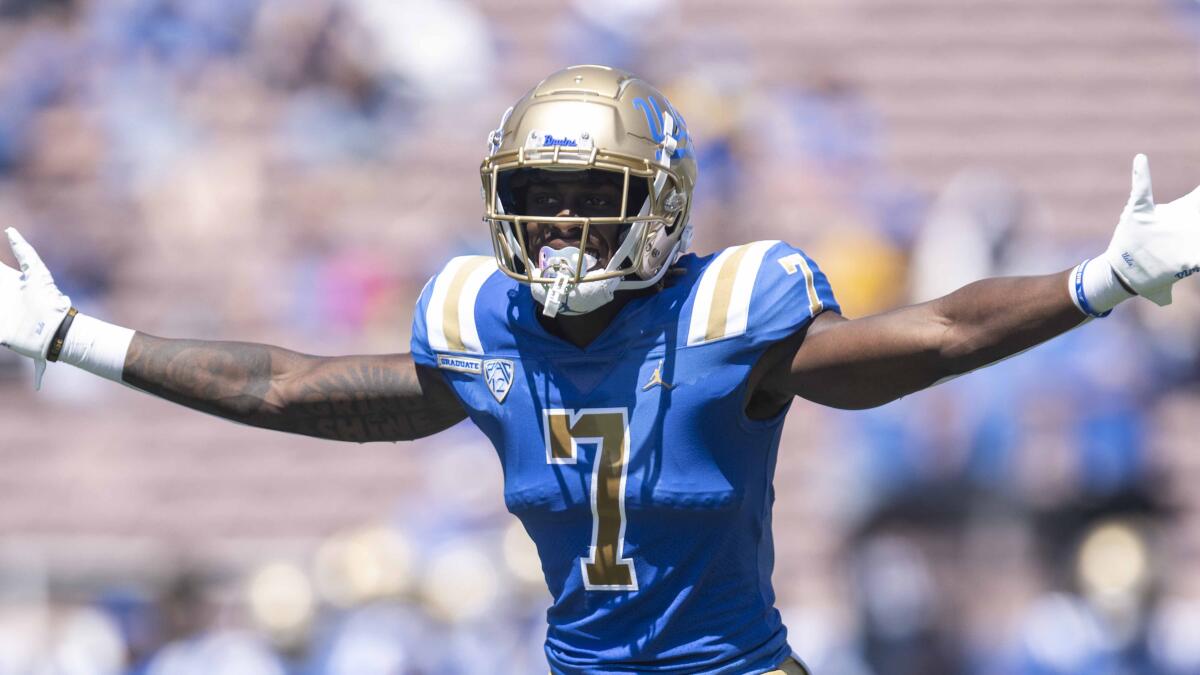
x,y
634,393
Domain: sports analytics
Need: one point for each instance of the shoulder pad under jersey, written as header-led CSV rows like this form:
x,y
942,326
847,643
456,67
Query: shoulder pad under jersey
x,y
444,320
761,292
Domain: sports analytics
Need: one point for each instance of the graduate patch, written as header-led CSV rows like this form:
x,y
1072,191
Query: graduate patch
x,y
460,364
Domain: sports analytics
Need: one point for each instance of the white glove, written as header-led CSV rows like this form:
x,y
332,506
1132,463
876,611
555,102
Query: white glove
x,y
31,306
1155,246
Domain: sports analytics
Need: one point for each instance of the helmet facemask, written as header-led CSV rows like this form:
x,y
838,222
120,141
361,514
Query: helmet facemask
x,y
649,209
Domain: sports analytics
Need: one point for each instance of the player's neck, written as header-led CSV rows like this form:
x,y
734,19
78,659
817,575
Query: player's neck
x,y
581,329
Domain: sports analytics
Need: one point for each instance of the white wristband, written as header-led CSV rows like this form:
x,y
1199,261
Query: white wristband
x,y
97,347
1095,289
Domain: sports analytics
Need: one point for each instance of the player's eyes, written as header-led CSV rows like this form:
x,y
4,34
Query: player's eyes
x,y
600,206
584,204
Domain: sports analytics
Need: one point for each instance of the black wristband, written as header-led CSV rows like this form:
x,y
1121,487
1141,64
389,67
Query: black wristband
x,y
60,336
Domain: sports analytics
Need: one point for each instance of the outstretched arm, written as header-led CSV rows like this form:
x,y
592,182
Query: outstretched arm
x,y
345,398
871,361
867,362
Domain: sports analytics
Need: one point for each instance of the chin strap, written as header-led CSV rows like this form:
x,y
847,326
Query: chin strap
x,y
666,148
557,295
561,265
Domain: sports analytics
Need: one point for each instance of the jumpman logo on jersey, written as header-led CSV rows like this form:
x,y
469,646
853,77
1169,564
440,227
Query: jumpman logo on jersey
x,y
656,379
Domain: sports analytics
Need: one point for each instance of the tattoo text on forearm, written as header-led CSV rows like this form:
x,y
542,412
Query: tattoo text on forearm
x,y
360,399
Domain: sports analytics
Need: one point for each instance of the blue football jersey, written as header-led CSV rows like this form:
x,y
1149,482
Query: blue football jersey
x,y
631,462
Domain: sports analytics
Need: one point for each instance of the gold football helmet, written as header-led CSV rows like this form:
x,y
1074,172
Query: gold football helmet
x,y
592,119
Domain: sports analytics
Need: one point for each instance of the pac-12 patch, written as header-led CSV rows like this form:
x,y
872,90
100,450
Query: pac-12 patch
x,y
499,376
461,364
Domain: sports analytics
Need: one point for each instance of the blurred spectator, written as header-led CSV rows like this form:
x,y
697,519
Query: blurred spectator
x,y
717,85
195,642
828,123
36,73
619,33
968,234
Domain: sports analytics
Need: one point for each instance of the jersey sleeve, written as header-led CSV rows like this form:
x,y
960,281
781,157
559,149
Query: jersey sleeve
x,y
756,294
790,291
445,320
422,353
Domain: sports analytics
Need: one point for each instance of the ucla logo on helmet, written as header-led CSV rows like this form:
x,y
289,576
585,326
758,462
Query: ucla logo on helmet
x,y
499,376
653,110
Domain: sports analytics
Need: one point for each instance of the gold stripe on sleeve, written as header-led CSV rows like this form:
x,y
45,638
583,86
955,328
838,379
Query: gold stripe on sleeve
x,y
718,313
450,323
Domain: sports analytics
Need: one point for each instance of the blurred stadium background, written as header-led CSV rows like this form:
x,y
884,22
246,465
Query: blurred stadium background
x,y
292,171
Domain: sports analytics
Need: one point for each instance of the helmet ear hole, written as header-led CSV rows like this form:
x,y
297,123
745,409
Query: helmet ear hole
x,y
674,202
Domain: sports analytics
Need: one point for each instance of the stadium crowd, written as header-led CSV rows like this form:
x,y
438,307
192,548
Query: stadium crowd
x,y
293,171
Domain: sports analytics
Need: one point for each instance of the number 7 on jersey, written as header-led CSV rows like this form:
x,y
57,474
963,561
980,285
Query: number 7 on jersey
x,y
608,428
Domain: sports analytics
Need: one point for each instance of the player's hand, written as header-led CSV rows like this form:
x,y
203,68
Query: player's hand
x,y
31,306
1155,246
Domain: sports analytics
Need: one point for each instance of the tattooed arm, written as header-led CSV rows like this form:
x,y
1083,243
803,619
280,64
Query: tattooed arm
x,y
345,398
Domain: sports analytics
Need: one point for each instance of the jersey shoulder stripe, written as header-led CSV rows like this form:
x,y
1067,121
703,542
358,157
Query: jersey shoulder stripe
x,y
721,307
450,314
